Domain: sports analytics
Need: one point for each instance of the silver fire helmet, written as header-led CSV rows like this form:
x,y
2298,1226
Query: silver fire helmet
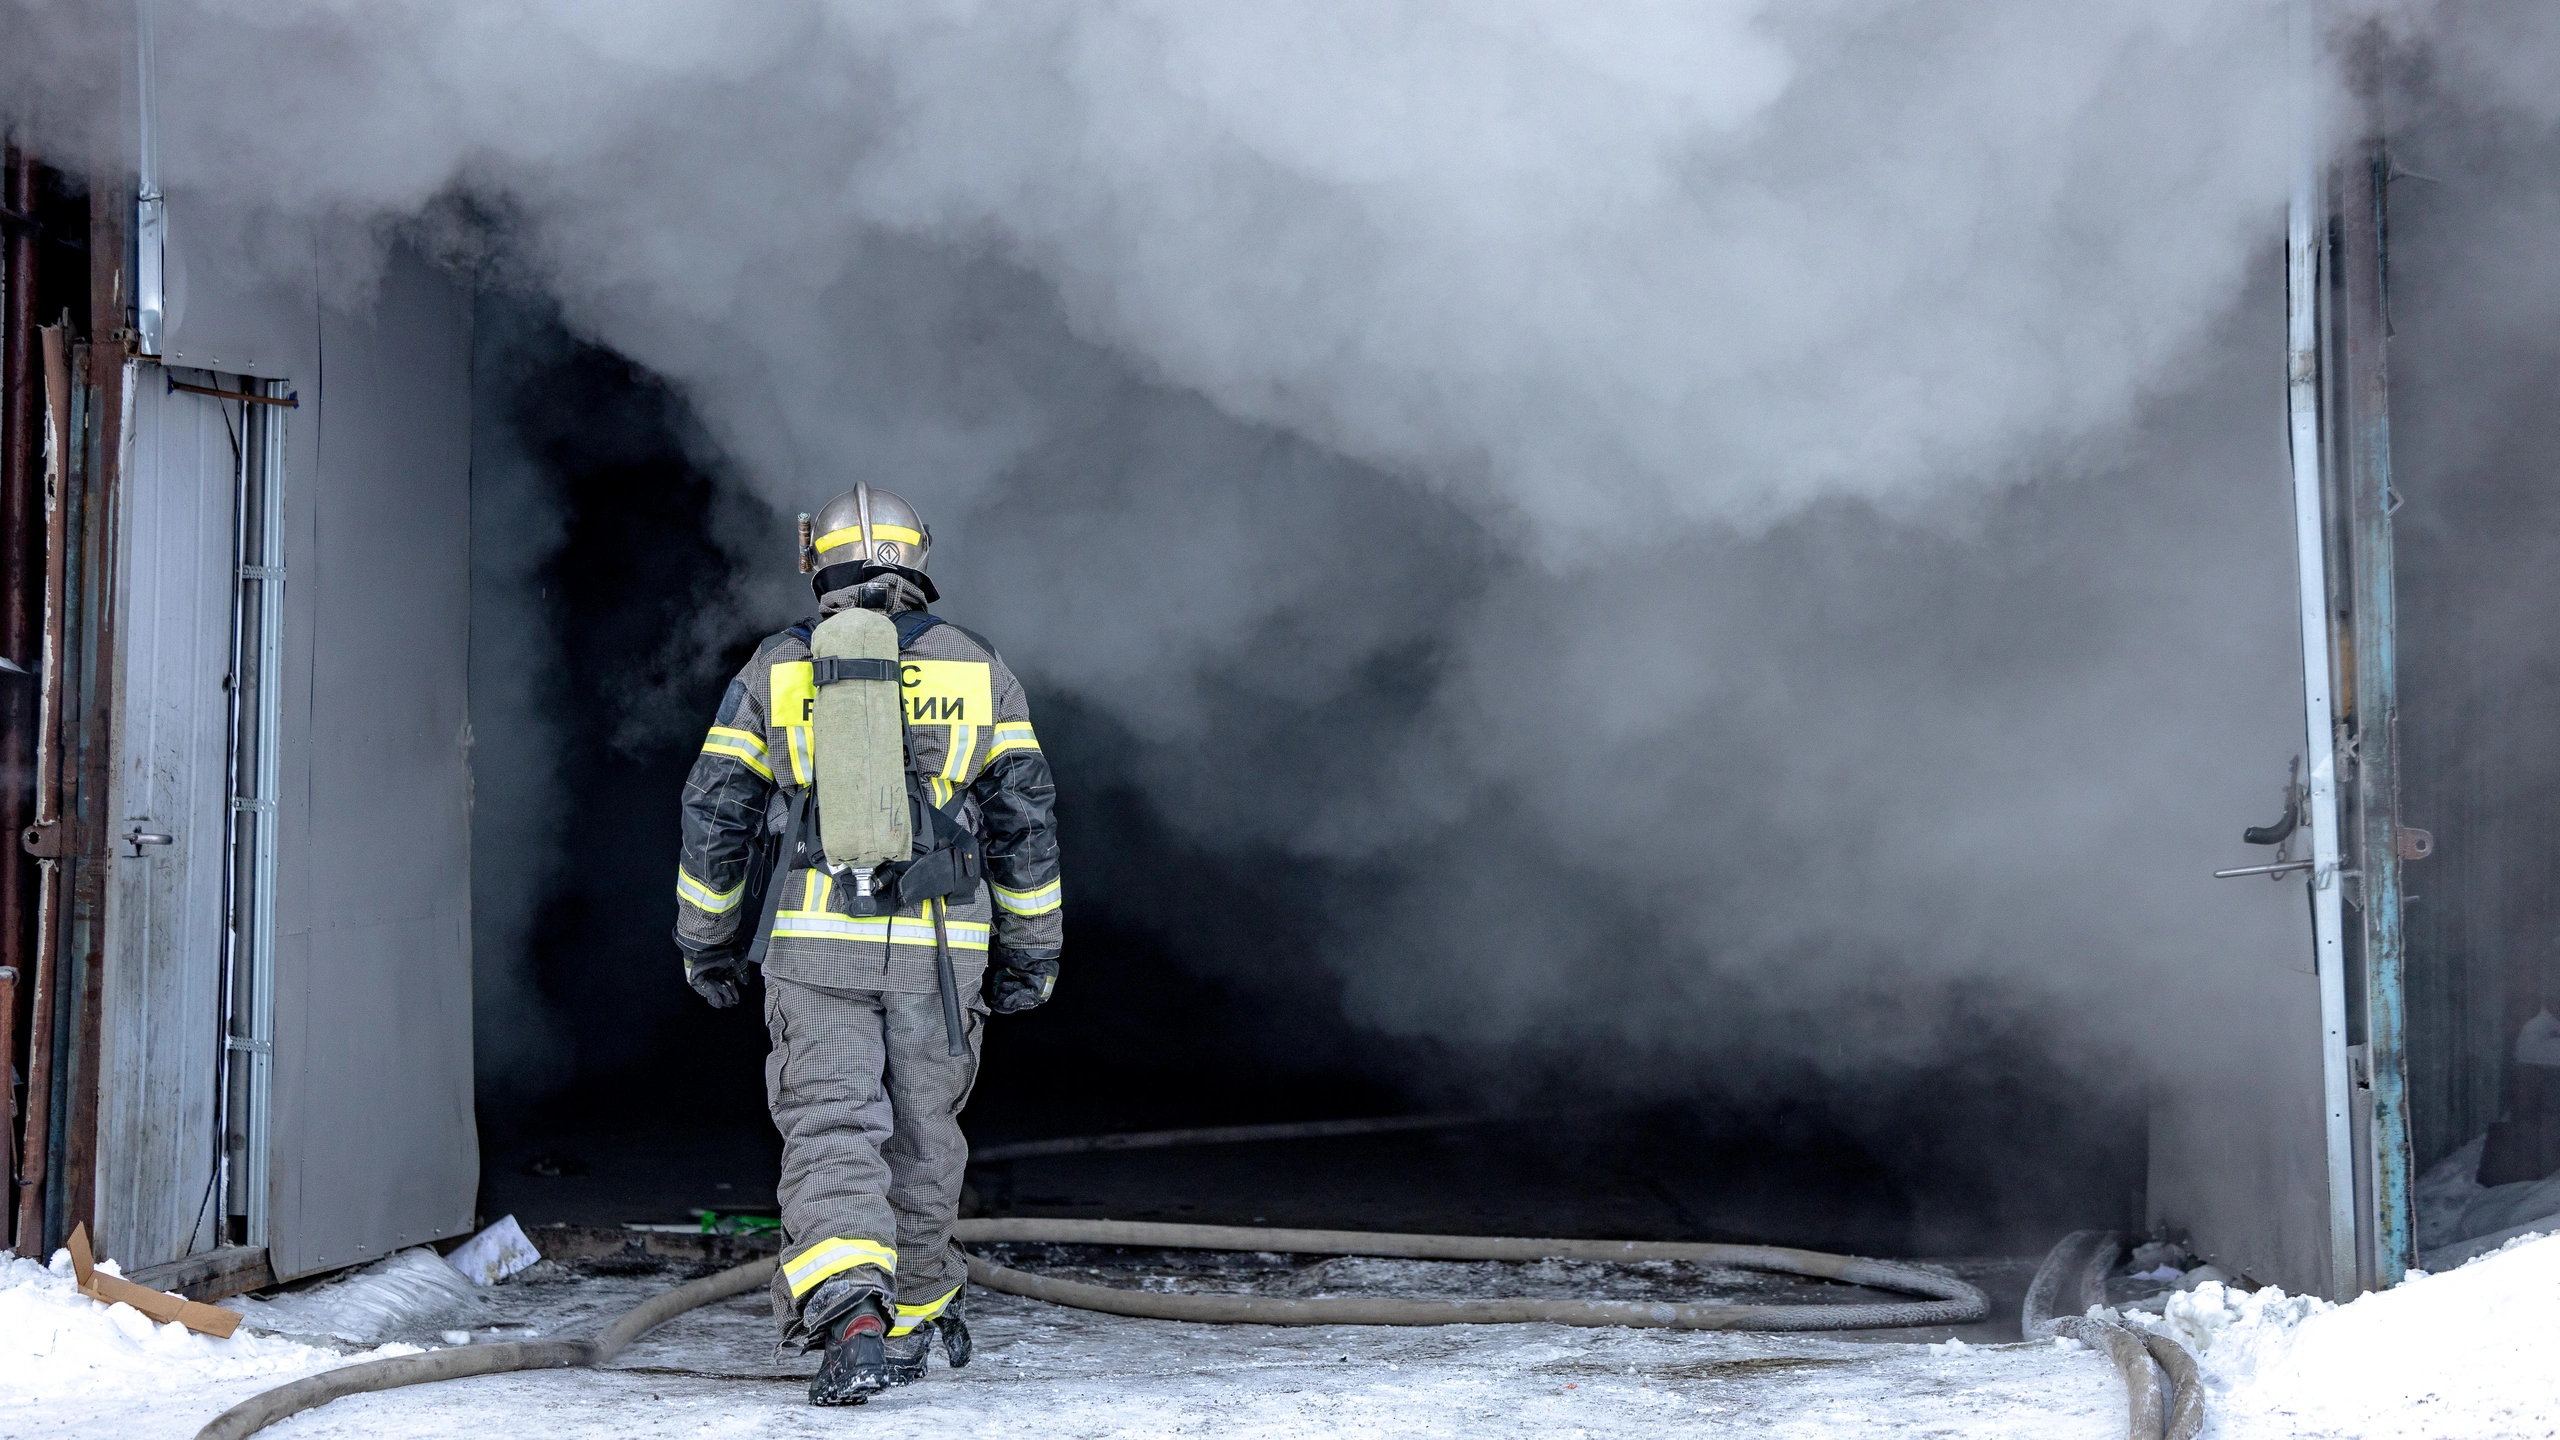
x,y
862,530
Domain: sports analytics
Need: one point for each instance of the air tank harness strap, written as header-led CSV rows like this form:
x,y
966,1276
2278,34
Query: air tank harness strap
x,y
791,854
952,866
827,670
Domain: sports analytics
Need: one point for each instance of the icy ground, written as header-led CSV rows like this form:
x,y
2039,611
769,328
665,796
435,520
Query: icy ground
x,y
2462,1354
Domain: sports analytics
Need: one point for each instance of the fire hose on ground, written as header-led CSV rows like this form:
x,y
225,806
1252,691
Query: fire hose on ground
x,y
2073,1280
1944,1300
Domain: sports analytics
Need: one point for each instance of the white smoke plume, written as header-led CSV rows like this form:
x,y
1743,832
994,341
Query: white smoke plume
x,y
1738,521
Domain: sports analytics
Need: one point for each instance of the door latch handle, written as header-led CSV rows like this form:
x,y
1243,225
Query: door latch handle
x,y
138,837
2286,823
2287,868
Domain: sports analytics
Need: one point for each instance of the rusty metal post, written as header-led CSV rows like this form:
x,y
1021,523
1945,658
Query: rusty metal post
x,y
44,837
2364,179
21,573
102,494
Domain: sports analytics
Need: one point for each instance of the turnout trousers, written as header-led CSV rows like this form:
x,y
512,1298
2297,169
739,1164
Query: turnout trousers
x,y
867,1096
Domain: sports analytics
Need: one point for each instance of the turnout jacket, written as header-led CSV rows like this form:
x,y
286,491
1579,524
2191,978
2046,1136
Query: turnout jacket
x,y
968,737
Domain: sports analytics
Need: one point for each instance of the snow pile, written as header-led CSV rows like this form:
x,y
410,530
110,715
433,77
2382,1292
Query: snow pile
x,y
58,1344
2466,1354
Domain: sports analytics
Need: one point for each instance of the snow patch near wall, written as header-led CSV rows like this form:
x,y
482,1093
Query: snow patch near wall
x,y
57,1344
2466,1353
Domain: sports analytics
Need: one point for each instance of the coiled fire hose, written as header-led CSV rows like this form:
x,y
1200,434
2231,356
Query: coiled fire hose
x,y
2073,1280
1947,1300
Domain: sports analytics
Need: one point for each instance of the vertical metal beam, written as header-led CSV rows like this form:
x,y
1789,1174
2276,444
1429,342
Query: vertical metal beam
x,y
257,652
45,970
2306,238
21,579
150,211
109,379
2365,388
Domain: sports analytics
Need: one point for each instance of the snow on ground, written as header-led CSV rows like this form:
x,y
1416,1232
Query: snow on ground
x,y
2462,1354
1045,1371
71,1366
2465,1355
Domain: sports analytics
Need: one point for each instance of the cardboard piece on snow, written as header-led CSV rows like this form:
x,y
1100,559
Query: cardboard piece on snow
x,y
204,1319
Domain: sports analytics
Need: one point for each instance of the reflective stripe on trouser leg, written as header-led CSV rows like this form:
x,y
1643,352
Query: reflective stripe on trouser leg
x,y
816,1263
911,1316
868,1106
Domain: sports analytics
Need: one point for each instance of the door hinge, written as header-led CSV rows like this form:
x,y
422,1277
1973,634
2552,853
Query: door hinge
x,y
43,840
2412,842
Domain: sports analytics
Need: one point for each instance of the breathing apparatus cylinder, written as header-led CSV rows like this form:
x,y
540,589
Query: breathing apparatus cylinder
x,y
859,734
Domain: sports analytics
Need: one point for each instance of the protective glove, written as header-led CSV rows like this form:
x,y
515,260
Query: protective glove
x,y
718,979
1014,986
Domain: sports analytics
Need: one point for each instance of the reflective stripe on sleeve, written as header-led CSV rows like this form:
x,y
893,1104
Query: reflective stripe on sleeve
x,y
829,1258
703,898
741,745
962,749
1039,900
1012,735
911,1316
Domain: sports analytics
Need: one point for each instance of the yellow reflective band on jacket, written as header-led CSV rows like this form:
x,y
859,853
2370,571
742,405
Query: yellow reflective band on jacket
x,y
830,1258
702,897
873,929
795,702
911,1316
852,534
1037,901
1012,735
741,745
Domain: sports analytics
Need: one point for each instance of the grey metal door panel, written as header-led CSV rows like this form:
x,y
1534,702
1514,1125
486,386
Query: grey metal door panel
x,y
374,1141
161,1027
2237,1160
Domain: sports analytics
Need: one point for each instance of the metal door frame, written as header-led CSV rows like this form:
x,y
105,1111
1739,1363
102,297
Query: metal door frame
x,y
249,948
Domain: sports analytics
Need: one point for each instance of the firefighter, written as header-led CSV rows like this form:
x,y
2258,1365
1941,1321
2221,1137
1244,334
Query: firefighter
x,y
875,1002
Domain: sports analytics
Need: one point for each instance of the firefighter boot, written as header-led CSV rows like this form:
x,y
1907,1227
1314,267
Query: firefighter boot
x,y
857,1363
953,1327
907,1353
